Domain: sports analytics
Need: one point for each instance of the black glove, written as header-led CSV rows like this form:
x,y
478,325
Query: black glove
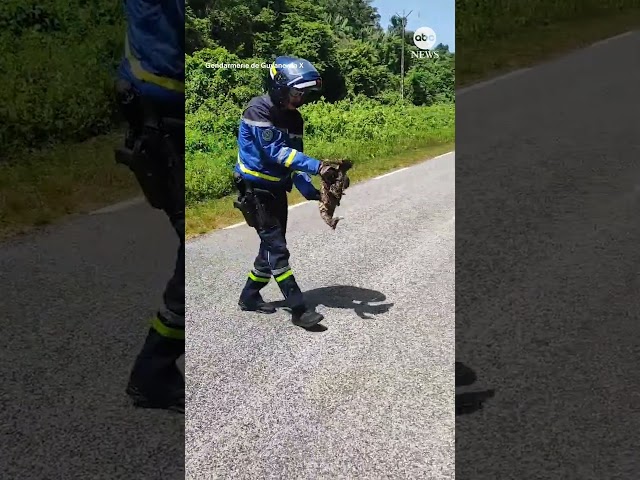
x,y
315,196
328,172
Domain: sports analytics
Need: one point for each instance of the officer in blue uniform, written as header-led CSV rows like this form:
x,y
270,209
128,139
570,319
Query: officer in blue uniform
x,y
150,90
270,162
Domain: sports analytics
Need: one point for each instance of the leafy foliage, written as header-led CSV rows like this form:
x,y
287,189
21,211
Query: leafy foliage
x,y
58,59
361,112
342,38
480,21
360,130
59,56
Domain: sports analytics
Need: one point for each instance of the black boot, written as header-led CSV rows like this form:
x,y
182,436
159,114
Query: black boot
x,y
173,401
256,305
250,298
301,316
305,318
464,375
156,381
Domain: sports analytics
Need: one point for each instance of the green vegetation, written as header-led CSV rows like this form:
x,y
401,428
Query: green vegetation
x,y
58,59
480,21
495,36
64,179
58,125
361,131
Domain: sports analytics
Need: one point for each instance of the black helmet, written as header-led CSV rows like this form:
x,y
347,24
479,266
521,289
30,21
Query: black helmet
x,y
291,74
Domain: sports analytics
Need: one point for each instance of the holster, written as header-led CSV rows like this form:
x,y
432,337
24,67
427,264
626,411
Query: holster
x,y
250,203
153,150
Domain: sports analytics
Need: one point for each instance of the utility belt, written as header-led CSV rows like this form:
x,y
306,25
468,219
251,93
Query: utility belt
x,y
252,203
153,148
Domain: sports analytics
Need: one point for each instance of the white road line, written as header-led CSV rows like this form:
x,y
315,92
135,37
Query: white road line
x,y
407,168
491,81
138,200
234,225
291,207
298,204
443,155
391,173
119,206
243,223
610,39
520,71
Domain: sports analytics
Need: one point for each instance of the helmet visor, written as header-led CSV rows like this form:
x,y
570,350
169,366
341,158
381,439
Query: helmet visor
x,y
307,90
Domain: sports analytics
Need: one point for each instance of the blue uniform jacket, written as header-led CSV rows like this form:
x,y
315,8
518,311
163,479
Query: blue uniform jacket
x,y
154,48
270,148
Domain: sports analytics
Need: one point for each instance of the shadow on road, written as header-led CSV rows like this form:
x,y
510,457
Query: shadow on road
x,y
470,401
358,299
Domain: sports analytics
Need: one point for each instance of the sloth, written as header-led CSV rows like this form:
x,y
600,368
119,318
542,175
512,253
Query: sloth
x,y
331,193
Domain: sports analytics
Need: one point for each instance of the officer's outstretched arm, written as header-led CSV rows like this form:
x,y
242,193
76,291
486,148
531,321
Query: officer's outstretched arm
x,y
302,181
272,142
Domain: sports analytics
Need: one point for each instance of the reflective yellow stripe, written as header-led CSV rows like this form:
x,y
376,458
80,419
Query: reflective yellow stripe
x,y
273,70
284,275
258,279
142,74
162,329
256,174
290,157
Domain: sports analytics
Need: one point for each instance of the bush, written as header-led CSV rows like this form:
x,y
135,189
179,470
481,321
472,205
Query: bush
x,y
59,58
362,128
493,19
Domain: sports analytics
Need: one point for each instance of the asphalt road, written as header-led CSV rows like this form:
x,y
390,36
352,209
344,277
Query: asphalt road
x,y
75,300
547,255
371,396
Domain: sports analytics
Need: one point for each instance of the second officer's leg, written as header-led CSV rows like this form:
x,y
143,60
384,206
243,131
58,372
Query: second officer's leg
x,y
156,380
273,236
260,275
258,278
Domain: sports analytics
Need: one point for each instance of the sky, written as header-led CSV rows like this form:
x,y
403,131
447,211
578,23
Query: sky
x,y
437,14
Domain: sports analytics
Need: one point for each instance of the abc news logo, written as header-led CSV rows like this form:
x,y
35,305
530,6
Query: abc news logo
x,y
424,38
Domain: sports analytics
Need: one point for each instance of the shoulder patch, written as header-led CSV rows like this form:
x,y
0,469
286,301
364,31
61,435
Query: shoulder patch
x,y
267,135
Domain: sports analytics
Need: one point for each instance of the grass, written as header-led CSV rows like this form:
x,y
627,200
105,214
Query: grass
x,y
477,61
219,213
38,189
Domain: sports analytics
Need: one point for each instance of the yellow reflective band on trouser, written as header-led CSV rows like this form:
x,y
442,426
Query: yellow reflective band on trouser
x,y
142,74
284,276
255,278
165,331
290,157
256,174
